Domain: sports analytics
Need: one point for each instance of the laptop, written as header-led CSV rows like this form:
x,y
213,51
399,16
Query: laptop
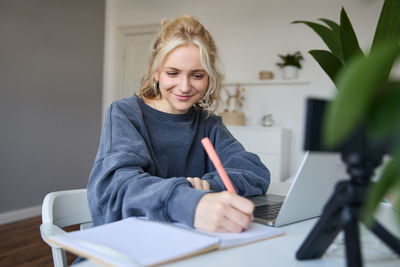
x,y
311,188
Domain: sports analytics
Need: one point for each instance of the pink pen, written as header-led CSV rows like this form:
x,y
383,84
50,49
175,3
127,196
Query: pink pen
x,y
212,154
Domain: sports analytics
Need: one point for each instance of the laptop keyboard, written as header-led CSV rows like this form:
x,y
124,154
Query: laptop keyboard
x,y
267,212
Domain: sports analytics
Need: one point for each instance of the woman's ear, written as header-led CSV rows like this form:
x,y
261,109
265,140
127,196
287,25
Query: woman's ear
x,y
157,75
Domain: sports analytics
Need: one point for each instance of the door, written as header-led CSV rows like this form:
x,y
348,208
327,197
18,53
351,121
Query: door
x,y
135,43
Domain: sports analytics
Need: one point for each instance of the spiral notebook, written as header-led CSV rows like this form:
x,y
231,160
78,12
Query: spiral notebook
x,y
135,241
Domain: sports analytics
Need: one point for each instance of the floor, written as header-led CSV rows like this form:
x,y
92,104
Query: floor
x,y
22,245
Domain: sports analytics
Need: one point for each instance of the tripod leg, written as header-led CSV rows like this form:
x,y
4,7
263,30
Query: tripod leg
x,y
323,233
350,224
391,241
319,239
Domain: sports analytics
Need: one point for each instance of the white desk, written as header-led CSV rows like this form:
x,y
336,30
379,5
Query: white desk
x,y
281,251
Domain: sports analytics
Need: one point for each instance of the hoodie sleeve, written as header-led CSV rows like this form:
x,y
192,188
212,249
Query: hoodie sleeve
x,y
248,174
122,182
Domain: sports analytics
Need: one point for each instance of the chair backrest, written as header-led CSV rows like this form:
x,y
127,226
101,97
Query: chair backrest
x,y
65,208
61,209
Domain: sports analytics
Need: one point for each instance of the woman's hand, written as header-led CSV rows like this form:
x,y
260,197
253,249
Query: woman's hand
x,y
223,212
199,184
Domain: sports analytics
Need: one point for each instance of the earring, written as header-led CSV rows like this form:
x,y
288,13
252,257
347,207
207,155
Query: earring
x,y
203,102
156,87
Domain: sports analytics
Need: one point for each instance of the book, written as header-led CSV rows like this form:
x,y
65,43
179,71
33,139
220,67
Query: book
x,y
138,241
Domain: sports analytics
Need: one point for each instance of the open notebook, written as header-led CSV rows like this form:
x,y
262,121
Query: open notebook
x,y
135,241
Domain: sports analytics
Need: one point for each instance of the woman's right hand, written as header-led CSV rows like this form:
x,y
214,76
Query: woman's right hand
x,y
223,212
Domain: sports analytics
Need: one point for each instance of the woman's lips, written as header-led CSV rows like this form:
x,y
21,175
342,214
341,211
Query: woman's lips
x,y
183,97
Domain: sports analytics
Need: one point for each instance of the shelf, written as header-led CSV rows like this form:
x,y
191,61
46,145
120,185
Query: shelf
x,y
268,82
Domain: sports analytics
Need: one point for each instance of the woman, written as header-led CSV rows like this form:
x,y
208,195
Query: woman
x,y
151,162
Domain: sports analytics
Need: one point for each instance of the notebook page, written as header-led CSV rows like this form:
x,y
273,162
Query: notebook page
x,y
254,233
100,254
145,242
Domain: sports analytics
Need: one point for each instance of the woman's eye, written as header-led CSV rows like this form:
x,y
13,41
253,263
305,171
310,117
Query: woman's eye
x,y
198,75
172,73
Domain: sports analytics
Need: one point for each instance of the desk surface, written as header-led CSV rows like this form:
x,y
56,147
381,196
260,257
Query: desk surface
x,y
281,251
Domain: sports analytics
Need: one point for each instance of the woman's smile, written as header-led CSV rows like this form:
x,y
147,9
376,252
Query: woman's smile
x,y
183,97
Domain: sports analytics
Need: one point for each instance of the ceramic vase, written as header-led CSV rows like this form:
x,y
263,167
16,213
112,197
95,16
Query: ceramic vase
x,y
289,72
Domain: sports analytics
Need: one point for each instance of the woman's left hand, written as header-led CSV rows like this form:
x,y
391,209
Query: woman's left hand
x,y
198,184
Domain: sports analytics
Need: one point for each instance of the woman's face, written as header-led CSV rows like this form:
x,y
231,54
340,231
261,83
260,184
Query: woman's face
x,y
183,81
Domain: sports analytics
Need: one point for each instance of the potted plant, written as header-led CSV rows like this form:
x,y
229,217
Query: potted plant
x,y
366,93
290,65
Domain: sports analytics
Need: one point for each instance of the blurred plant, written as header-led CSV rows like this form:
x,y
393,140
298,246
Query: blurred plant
x,y
366,94
290,60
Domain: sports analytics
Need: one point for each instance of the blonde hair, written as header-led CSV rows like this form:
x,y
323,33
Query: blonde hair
x,y
185,30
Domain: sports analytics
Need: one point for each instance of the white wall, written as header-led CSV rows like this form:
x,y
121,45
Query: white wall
x,y
249,35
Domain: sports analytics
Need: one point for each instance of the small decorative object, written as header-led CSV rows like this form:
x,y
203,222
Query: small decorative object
x,y
290,65
233,118
265,75
267,120
231,115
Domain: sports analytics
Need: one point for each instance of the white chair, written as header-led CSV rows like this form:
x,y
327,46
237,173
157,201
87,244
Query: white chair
x,y
61,209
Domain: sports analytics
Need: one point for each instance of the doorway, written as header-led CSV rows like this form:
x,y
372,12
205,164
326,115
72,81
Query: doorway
x,y
133,54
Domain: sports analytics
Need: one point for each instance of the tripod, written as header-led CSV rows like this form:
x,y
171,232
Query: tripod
x,y
342,212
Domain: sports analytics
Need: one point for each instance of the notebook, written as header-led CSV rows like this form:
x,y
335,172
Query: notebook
x,y
312,186
134,241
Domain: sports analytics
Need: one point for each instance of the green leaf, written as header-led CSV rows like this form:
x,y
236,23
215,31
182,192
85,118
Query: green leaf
x,y
357,86
377,191
328,62
388,28
350,45
384,115
333,25
397,203
331,39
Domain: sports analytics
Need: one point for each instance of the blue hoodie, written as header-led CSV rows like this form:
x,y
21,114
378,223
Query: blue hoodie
x,y
145,156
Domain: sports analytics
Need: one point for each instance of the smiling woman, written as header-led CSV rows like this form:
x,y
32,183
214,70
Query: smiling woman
x,y
151,161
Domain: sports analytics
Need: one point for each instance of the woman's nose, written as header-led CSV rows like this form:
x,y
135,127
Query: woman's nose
x,y
185,84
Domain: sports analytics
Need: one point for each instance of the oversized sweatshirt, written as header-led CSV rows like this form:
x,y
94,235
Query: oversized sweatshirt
x,y
144,158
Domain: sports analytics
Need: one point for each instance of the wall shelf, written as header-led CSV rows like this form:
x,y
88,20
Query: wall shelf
x,y
268,82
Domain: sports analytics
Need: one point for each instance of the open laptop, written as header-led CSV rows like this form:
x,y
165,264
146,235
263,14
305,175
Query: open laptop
x,y
312,186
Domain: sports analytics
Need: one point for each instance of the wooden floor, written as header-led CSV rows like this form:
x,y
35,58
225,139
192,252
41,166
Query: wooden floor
x,y
22,245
